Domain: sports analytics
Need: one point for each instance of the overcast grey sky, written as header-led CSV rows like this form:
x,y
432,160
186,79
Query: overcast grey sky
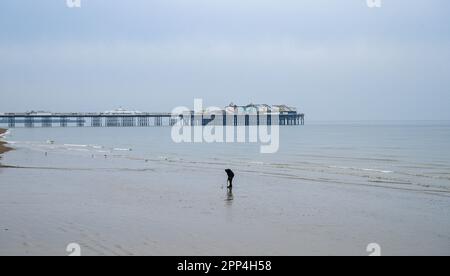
x,y
334,59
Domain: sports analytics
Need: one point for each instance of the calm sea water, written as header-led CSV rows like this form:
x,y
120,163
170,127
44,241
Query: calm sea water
x,y
412,156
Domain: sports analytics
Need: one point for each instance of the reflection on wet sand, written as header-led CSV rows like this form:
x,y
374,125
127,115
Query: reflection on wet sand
x,y
230,197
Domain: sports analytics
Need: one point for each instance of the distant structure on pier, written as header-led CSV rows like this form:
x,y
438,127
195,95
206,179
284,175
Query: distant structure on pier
x,y
260,108
231,115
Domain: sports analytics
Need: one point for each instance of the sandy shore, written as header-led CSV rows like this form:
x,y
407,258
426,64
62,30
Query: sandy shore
x,y
3,148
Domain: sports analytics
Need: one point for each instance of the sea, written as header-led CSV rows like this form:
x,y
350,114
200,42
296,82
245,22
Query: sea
x,y
400,155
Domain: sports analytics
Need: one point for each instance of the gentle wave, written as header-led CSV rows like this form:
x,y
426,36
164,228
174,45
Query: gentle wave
x,y
349,157
5,134
361,169
75,145
317,169
256,163
121,149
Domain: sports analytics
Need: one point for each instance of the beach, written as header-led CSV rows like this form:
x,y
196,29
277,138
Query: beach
x,y
172,200
3,148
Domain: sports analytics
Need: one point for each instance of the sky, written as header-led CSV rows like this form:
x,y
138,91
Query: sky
x,y
332,59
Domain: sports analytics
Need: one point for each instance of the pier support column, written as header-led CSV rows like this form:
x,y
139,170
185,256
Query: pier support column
x,y
96,122
158,121
63,122
80,122
12,122
128,121
29,122
112,122
143,121
247,120
46,121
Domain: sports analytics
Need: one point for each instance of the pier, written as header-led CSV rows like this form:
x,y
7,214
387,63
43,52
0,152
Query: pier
x,y
249,116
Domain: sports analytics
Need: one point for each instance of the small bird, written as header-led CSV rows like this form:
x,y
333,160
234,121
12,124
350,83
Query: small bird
x,y
230,174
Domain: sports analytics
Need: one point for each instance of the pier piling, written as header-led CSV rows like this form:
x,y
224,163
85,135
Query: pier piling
x,y
30,120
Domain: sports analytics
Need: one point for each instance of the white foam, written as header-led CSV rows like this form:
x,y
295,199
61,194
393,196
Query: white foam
x,y
75,146
120,149
361,169
97,147
374,170
83,150
5,134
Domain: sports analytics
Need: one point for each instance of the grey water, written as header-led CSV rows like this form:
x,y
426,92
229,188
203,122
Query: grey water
x,y
400,155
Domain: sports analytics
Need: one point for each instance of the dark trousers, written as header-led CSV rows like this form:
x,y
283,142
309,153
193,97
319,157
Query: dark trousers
x,y
230,181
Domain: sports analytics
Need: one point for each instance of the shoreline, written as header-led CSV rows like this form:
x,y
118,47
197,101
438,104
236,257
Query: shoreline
x,y
3,147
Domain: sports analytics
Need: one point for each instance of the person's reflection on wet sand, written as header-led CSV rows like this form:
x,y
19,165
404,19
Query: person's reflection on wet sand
x,y
230,197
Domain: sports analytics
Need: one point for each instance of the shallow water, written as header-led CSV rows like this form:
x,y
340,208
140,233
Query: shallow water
x,y
400,156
